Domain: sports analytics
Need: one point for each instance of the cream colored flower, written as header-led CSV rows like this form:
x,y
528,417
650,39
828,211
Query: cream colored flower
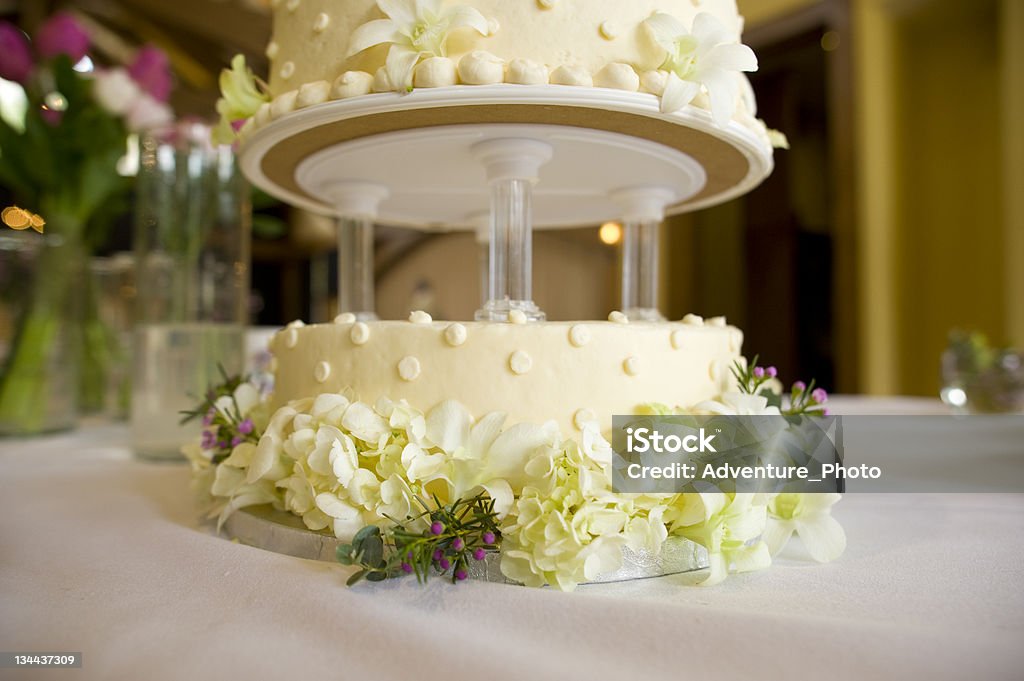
x,y
729,527
415,29
705,56
810,517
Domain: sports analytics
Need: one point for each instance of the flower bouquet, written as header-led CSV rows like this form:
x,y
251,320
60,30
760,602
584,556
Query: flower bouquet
x,y
60,161
434,493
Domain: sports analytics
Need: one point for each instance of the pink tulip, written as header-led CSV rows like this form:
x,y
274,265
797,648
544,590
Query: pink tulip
x,y
152,72
15,57
61,34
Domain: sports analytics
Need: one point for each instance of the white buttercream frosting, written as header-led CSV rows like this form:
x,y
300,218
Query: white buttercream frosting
x,y
517,317
520,363
571,75
313,93
617,317
618,77
360,333
435,72
481,68
283,104
420,317
693,320
455,335
345,318
351,84
631,366
527,72
653,82
579,335
409,368
322,372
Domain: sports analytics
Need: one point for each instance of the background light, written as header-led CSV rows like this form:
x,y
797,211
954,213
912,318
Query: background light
x,y
610,233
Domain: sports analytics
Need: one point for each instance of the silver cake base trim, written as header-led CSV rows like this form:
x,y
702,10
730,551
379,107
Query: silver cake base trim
x,y
267,528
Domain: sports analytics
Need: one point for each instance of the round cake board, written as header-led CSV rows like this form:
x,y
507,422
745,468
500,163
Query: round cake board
x,y
267,528
419,147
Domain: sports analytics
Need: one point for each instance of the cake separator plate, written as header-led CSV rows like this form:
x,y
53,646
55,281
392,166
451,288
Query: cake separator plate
x,y
418,146
267,528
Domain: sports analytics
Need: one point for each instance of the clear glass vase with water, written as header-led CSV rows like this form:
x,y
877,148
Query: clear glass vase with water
x,y
192,267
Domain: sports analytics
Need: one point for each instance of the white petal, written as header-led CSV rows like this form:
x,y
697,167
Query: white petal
x,y
751,558
335,507
823,537
400,64
462,15
719,570
246,397
776,534
501,492
263,458
343,462
403,12
251,497
678,93
731,58
373,33
514,448
364,423
485,432
448,426
666,30
709,31
721,88
820,502
425,9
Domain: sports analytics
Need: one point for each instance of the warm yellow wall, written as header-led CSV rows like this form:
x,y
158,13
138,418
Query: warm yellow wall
x,y
1012,21
759,11
939,247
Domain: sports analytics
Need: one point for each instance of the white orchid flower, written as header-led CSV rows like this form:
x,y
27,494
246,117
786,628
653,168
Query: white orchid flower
x,y
703,56
736,404
810,516
415,29
729,531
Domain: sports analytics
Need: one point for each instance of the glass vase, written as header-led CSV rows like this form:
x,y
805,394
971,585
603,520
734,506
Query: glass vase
x,y
192,282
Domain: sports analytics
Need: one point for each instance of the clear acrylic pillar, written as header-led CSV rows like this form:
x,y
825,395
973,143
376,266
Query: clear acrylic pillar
x,y
356,204
643,211
640,253
355,268
513,166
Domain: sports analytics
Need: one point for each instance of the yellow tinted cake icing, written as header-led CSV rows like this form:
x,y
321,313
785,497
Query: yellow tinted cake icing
x,y
533,372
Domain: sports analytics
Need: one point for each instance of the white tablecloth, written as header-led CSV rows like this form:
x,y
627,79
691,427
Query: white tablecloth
x,y
104,555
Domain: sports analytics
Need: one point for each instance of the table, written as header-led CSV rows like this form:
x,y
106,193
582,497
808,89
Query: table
x,y
104,555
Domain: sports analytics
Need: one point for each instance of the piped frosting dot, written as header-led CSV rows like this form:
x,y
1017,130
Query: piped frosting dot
x,y
678,339
297,324
287,70
582,417
579,335
735,340
609,30
291,338
631,366
546,4
420,317
517,317
322,372
409,369
520,363
693,320
717,321
360,333
345,318
455,335
617,317
272,49
493,26
292,5
321,23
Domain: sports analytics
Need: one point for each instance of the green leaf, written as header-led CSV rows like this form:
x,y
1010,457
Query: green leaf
x,y
344,554
373,551
376,576
356,578
363,534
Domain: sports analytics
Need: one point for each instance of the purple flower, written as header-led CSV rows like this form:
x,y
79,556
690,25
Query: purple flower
x,y
488,538
479,554
444,563
61,34
819,396
15,57
436,527
237,440
771,372
245,427
406,568
458,544
208,417
758,372
799,387
826,412
222,444
438,554
209,440
152,72
460,574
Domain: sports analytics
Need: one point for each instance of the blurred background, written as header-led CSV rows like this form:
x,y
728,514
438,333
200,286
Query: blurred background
x,y
897,216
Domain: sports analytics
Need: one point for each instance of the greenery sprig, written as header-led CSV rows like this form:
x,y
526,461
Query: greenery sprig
x,y
223,430
457,533
803,398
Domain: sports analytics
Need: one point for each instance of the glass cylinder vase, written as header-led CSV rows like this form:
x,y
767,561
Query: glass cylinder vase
x,y
192,274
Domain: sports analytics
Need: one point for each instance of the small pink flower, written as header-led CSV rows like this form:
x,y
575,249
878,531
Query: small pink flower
x,y
61,34
152,72
15,56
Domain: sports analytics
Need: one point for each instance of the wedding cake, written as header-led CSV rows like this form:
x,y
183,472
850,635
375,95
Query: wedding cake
x,y
686,52
428,447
